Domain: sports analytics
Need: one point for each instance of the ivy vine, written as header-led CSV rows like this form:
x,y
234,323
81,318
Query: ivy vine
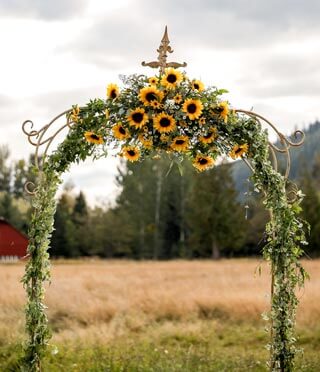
x,y
174,114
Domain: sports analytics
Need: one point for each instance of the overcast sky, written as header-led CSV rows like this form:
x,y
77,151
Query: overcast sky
x,y
58,53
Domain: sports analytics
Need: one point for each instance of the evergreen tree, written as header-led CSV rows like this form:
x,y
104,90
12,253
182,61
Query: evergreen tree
x,y
311,210
20,178
316,171
257,218
216,220
136,204
15,211
153,200
177,184
80,219
6,206
5,169
111,233
63,242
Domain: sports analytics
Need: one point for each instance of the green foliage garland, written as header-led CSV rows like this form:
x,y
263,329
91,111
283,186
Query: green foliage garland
x,y
173,114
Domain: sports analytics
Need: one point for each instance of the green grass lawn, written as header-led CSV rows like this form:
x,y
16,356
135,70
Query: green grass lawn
x,y
205,345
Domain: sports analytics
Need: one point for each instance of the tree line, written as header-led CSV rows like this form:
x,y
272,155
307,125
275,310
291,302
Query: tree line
x,y
164,210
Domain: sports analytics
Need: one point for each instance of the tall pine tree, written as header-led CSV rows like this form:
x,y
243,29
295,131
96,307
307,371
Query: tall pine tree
x,y
215,218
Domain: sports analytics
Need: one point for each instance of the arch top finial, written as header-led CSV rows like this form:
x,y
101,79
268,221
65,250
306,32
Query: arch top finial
x,y
163,49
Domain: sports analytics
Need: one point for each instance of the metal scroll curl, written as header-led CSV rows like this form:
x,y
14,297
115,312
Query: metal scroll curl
x,y
42,139
284,149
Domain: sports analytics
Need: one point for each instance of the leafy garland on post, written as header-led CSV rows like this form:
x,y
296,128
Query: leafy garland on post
x,y
170,113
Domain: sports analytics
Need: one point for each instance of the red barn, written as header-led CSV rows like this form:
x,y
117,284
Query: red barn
x,y
13,244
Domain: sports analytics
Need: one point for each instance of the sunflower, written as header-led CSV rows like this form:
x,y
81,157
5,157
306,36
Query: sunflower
x,y
153,80
150,94
75,114
164,123
93,138
112,91
120,132
132,153
202,120
171,78
193,108
76,110
203,162
137,118
155,104
177,98
210,137
164,138
180,143
147,143
238,151
222,110
197,85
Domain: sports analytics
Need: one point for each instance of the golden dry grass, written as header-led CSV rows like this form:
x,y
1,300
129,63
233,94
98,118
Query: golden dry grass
x,y
105,299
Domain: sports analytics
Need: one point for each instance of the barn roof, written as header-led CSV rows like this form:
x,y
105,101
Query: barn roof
x,y
3,220
12,241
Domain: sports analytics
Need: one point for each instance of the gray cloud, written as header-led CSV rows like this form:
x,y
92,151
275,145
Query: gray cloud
x,y
40,110
116,40
279,14
289,88
50,10
55,102
289,65
125,36
242,23
283,75
5,101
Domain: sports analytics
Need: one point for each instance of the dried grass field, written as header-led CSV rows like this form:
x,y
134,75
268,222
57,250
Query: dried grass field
x,y
157,316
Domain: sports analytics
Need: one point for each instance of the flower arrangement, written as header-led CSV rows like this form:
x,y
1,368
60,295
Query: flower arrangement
x,y
171,113
168,113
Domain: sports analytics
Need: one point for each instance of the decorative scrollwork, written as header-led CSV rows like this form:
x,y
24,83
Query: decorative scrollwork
x,y
284,141
41,137
27,189
38,138
292,192
163,49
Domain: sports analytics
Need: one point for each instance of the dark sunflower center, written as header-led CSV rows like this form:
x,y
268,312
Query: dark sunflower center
x,y
113,93
172,78
207,136
192,108
137,117
95,137
131,152
122,130
165,122
196,86
203,161
151,96
180,142
219,109
239,149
